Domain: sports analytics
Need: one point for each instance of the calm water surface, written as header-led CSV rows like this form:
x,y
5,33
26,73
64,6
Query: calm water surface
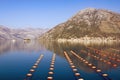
x,y
17,58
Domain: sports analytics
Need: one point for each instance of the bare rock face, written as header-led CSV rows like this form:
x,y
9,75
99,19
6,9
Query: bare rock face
x,y
106,21
91,22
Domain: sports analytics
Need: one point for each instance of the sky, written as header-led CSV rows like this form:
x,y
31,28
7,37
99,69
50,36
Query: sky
x,y
46,13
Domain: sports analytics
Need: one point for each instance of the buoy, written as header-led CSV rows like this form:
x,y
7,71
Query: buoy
x,y
32,70
71,63
34,66
93,67
50,72
86,62
104,75
72,66
29,74
97,57
89,64
50,78
105,61
52,65
37,61
113,58
108,62
74,70
81,79
81,58
51,68
98,70
118,60
77,74
104,55
114,65
39,58
53,61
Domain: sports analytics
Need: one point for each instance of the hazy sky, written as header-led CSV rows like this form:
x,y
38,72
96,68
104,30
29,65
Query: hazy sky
x,y
46,13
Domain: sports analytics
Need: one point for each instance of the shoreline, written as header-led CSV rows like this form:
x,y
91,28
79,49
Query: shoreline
x,y
93,40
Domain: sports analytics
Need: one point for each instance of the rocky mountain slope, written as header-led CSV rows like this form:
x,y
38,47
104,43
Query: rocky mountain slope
x,y
28,33
88,22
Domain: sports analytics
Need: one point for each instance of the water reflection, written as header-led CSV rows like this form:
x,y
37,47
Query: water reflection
x,y
93,53
59,48
19,45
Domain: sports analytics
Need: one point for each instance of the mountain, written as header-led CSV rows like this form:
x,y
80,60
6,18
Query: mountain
x,y
5,33
89,22
28,33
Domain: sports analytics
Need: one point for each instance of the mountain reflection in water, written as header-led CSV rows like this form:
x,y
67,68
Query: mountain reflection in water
x,y
8,45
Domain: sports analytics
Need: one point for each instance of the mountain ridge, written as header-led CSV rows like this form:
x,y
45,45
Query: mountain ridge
x,y
26,33
89,22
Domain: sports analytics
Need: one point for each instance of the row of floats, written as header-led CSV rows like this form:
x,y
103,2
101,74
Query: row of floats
x,y
34,67
112,59
96,55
